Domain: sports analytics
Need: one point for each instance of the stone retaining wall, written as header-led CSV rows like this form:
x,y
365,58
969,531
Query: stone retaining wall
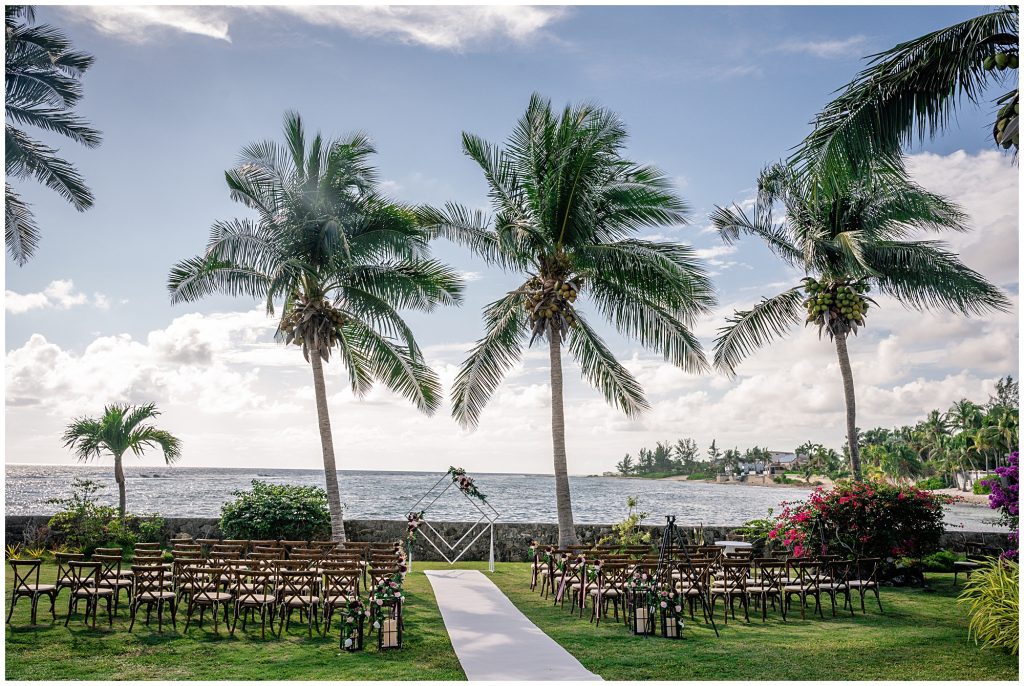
x,y
510,539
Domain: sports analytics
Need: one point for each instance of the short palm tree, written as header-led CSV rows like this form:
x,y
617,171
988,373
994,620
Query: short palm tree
x,y
849,240
43,85
122,428
913,89
340,259
567,207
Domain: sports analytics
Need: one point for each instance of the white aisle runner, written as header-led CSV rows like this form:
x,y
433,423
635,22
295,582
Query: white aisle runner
x,y
492,638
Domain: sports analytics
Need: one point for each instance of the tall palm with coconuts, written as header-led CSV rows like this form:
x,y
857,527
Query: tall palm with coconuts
x,y
850,239
341,260
567,207
121,429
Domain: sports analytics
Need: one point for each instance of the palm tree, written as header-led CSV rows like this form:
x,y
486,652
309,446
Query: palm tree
x,y
120,429
849,240
567,207
341,259
913,90
43,85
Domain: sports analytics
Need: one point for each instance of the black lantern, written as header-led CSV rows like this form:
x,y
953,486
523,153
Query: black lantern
x,y
671,608
389,634
352,627
671,623
641,613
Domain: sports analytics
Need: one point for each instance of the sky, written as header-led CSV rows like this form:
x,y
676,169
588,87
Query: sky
x,y
709,95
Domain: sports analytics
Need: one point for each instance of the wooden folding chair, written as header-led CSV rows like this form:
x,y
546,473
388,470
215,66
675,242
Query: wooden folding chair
x,y
26,585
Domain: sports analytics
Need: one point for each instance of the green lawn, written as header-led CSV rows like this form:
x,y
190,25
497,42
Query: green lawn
x,y
920,636
53,652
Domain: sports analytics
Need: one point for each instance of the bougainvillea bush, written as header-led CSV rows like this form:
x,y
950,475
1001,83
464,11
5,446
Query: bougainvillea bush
x,y
1005,497
863,519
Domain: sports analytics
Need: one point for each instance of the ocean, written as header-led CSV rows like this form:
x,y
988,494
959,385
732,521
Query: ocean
x,y
200,492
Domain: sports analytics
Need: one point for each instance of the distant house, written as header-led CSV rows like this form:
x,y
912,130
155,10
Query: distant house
x,y
782,462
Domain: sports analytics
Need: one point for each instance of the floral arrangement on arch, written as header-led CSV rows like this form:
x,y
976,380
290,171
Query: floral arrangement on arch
x,y
352,615
864,519
465,483
414,520
1005,497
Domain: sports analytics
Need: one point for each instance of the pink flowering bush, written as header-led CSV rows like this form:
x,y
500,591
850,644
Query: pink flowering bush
x,y
1005,497
866,519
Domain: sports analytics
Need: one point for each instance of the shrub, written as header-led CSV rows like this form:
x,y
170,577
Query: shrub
x,y
932,483
698,476
993,605
277,511
87,525
151,528
981,487
941,561
628,531
863,519
1005,497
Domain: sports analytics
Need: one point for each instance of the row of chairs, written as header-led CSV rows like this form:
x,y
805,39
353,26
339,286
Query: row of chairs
x,y
702,572
272,584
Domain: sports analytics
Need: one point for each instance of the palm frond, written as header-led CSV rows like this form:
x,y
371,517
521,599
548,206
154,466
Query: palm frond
x,y
20,229
915,87
604,372
924,274
490,359
748,330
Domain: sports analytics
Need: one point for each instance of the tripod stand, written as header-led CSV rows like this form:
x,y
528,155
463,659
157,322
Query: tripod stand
x,y
670,538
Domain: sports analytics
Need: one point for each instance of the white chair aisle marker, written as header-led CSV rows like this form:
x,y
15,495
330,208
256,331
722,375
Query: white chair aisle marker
x,y
493,640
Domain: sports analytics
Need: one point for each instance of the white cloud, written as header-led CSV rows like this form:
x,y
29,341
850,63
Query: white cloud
x,y
60,294
470,277
827,49
140,23
986,185
454,28
441,27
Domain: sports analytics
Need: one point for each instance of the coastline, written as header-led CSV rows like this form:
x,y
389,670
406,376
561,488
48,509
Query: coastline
x,y
966,498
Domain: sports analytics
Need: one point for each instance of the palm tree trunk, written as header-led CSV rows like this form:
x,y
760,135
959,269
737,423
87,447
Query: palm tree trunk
x,y
327,444
563,501
851,405
122,500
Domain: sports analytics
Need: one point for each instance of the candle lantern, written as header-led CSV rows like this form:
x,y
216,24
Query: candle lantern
x,y
671,609
389,636
352,627
671,624
641,615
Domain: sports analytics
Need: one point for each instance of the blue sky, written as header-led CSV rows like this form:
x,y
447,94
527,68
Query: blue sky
x,y
710,95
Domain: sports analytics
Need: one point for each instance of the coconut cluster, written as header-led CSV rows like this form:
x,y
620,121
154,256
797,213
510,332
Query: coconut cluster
x,y
549,302
312,324
1007,113
839,306
1002,60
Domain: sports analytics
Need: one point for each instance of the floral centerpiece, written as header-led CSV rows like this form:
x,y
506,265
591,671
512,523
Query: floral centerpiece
x,y
640,588
465,483
353,615
1005,497
670,602
388,591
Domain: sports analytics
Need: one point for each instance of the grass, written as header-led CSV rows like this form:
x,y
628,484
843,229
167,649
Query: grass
x,y
919,636
51,651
